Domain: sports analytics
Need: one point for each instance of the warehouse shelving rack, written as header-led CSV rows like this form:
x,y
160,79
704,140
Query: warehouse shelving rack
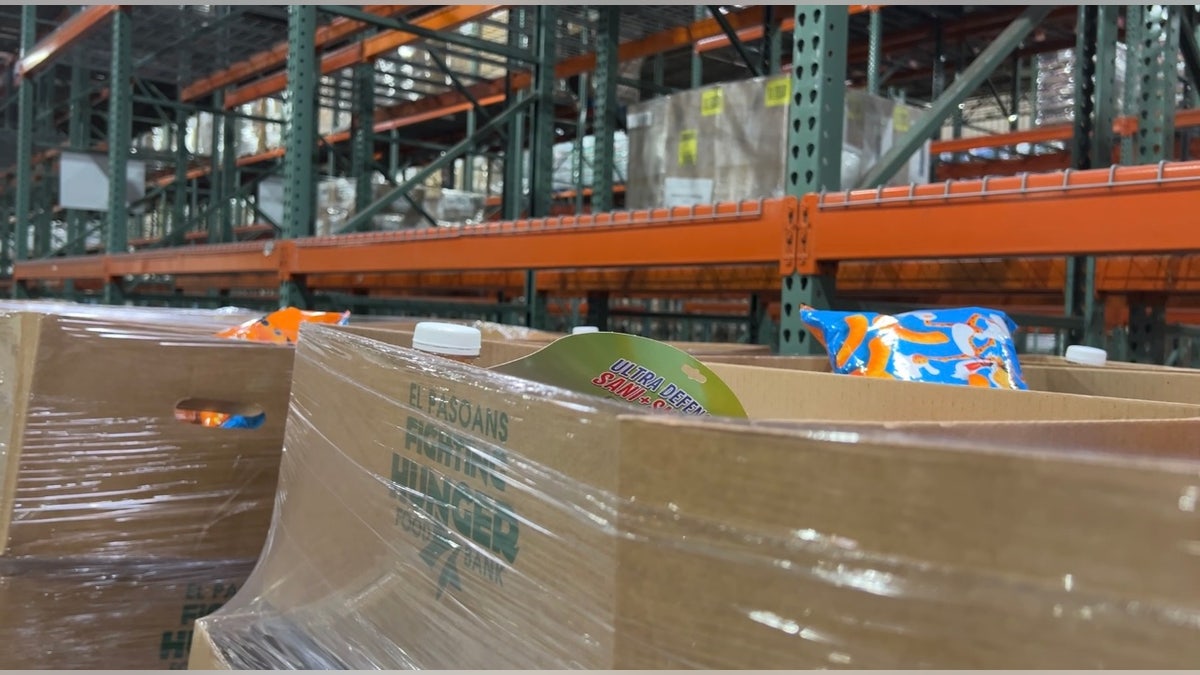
x,y
1023,242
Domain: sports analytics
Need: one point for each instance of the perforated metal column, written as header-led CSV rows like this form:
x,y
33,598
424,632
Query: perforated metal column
x,y
25,124
179,200
605,107
1152,35
299,113
1092,147
814,147
78,132
120,131
362,153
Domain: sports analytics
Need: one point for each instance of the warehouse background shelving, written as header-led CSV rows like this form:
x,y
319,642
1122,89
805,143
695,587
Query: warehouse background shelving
x,y
394,98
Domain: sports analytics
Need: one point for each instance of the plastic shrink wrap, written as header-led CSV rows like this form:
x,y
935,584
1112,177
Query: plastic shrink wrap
x,y
120,523
722,143
436,515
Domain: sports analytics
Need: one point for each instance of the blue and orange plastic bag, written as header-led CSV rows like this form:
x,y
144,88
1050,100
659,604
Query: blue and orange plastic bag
x,y
968,346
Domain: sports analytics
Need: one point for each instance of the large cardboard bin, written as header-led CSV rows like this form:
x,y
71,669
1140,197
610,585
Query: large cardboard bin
x,y
435,515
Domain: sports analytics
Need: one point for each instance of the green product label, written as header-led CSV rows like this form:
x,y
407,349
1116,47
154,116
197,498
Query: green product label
x,y
200,600
629,368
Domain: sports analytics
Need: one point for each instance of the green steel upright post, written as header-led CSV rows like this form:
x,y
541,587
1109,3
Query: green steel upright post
x,y
25,127
697,60
1152,36
772,43
215,184
818,84
78,134
228,178
1014,96
514,188
299,200
43,198
180,198
41,210
577,163
1092,146
605,110
362,152
541,141
394,153
120,130
468,180
874,51
956,118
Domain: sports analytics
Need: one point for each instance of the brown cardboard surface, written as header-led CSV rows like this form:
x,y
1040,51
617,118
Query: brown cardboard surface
x,y
1174,385
97,464
904,555
601,539
82,614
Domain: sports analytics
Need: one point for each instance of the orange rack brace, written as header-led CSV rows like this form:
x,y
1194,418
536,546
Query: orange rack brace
x,y
728,233
1120,210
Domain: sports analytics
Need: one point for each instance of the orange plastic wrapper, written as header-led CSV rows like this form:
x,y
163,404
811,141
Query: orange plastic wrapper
x,y
282,326
279,327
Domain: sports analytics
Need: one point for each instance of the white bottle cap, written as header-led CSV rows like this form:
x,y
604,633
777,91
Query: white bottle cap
x,y
1086,356
584,329
449,339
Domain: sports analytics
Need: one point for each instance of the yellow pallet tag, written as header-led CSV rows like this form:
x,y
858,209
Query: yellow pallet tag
x,y
712,102
778,91
901,121
689,148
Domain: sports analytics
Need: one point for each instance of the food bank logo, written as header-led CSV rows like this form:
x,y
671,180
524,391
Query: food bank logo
x,y
461,528
440,545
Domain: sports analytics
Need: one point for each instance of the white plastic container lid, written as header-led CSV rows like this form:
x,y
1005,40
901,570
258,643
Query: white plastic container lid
x,y
584,329
1086,356
449,339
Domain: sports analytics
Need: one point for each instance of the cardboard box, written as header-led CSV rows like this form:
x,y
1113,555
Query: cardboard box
x,y
115,517
1175,385
74,614
433,515
95,461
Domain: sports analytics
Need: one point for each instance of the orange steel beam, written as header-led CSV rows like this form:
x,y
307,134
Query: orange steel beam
x,y
61,38
337,29
365,51
1172,274
208,259
996,282
711,234
705,235
1122,210
1123,126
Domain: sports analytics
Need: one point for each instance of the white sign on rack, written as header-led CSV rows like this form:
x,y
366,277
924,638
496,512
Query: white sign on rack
x,y
270,198
83,181
687,191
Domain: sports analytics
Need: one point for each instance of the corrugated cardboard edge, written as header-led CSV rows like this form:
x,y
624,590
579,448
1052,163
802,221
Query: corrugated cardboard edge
x,y
19,363
204,654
